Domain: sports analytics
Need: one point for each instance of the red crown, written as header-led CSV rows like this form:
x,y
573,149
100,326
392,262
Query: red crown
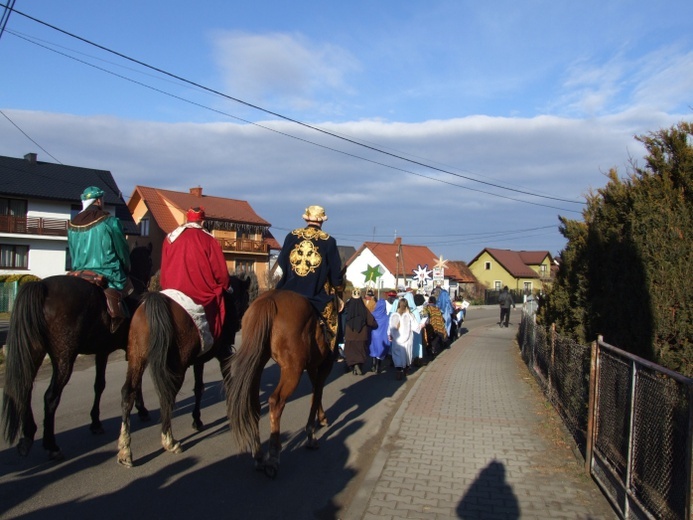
x,y
196,214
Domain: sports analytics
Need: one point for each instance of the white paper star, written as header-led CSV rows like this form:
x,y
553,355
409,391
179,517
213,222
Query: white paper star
x,y
422,273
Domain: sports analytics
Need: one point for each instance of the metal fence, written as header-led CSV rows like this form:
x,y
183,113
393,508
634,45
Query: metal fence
x,y
491,296
631,419
8,293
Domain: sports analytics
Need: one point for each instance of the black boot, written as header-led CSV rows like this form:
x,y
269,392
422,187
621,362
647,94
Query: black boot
x,y
377,366
357,370
374,364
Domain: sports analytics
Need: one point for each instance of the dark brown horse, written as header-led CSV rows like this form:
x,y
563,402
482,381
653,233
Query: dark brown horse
x,y
281,325
163,336
61,316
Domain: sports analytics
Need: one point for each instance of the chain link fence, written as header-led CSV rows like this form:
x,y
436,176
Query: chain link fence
x,y
632,420
8,293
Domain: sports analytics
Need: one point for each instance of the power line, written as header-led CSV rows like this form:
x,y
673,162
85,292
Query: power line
x,y
28,137
279,132
303,124
6,16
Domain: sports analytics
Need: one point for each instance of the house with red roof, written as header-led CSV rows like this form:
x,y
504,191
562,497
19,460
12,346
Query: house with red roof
x,y
521,271
243,235
384,266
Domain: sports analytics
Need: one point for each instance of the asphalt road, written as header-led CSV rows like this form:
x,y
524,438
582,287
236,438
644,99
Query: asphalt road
x,y
211,477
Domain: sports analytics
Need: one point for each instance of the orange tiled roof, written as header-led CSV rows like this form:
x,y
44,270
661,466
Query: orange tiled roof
x,y
272,243
465,274
413,256
158,202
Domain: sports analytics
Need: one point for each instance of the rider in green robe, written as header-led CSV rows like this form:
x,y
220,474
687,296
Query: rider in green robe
x,y
97,243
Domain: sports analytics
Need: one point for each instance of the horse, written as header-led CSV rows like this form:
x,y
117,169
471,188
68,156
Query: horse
x,y
141,267
61,316
164,336
283,325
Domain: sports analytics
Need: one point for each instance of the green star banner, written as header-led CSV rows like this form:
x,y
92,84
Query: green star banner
x,y
372,273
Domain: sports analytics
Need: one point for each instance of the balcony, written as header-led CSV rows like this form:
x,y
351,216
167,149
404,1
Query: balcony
x,y
33,225
243,245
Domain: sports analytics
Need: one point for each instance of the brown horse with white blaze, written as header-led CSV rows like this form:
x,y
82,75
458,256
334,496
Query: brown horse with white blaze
x,y
281,325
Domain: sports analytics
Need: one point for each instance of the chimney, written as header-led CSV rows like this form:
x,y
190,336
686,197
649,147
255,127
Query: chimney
x,y
197,192
30,158
398,241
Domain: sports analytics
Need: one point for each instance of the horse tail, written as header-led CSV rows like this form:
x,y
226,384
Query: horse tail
x,y
162,336
25,349
242,381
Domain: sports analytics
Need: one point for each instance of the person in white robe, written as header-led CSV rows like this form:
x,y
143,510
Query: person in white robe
x,y
417,345
403,325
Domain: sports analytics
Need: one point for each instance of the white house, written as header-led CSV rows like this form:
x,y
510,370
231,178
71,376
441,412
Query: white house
x,y
395,265
37,200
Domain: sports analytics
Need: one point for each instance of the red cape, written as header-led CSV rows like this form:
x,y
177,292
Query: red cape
x,y
194,264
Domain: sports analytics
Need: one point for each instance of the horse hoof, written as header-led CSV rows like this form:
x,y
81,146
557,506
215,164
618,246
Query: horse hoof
x,y
312,445
176,448
259,461
144,415
56,456
126,462
24,446
198,426
97,429
271,471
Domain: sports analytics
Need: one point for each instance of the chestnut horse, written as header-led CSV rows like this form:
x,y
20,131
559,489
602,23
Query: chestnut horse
x,y
284,326
61,316
163,336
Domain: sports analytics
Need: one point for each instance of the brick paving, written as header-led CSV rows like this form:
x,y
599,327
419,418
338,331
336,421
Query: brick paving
x,y
474,439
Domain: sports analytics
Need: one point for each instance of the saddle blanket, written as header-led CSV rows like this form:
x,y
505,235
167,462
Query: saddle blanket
x,y
197,313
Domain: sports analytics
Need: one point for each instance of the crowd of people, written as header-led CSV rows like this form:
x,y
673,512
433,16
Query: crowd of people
x,y
402,329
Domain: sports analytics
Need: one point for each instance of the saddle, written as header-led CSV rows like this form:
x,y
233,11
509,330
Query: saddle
x,y
115,305
90,276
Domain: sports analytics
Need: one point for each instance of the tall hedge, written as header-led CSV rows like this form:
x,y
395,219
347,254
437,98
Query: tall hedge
x,y
625,268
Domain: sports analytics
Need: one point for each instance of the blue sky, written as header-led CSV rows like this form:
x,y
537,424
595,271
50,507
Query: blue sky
x,y
495,117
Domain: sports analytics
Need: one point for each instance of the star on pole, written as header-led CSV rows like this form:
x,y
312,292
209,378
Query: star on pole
x,y
422,273
372,273
441,264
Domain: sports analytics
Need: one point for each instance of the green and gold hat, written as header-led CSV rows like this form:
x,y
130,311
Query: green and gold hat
x,y
92,192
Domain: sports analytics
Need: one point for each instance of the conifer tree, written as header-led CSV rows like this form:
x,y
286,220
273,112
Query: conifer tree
x,y
625,269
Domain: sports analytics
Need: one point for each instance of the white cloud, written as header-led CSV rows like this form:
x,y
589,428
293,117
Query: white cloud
x,y
285,69
280,176
665,80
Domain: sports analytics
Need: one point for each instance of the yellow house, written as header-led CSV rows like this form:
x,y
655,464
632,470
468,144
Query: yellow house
x,y
522,271
244,236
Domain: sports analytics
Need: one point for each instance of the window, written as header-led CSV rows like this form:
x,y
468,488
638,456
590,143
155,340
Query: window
x,y
542,269
13,207
144,227
14,257
528,287
487,266
497,285
245,266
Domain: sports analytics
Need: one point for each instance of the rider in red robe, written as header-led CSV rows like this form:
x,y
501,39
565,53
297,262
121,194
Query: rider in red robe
x,y
192,262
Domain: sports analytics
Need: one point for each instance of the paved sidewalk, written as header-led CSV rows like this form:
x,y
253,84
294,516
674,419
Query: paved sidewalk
x,y
474,439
